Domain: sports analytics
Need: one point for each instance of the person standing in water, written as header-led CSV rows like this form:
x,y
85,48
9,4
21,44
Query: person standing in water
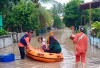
x,y
24,42
80,40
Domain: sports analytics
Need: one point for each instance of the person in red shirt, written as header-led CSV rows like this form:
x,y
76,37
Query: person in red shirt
x,y
81,42
24,42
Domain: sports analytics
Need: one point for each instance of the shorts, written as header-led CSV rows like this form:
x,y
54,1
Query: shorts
x,y
80,56
44,47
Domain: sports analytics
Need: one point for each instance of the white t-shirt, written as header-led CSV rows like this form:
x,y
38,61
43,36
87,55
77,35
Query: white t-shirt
x,y
43,43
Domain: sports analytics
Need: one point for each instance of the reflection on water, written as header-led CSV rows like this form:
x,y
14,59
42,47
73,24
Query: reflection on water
x,y
92,59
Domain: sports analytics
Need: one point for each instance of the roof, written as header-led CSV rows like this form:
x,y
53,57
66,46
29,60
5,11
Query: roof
x,y
94,4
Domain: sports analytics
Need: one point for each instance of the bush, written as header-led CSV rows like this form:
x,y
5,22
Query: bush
x,y
3,32
37,32
23,17
96,29
78,31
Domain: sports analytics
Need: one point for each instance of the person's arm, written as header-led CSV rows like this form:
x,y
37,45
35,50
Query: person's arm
x,y
75,39
47,47
86,43
27,41
41,47
75,42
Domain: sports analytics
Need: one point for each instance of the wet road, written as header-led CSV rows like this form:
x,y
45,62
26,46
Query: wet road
x,y
92,58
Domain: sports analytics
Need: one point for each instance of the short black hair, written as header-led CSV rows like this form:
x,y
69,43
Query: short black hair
x,y
40,38
30,31
71,37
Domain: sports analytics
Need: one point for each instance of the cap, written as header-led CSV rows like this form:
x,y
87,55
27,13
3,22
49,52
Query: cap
x,y
82,29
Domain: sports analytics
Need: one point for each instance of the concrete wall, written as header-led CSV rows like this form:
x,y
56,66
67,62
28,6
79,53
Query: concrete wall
x,y
92,40
95,41
88,29
8,40
5,41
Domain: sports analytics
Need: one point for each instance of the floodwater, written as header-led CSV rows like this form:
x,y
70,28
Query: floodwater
x,y
92,57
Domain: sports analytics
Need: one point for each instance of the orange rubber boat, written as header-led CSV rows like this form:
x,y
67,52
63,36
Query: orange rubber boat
x,y
39,55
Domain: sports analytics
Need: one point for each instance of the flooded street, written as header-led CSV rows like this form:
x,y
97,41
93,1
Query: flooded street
x,y
92,58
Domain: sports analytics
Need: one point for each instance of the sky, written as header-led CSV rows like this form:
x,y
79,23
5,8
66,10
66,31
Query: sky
x,y
48,5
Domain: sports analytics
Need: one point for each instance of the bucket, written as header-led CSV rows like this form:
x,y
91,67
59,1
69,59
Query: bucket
x,y
7,58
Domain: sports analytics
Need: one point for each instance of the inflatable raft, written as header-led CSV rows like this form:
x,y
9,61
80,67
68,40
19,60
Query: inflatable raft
x,y
39,55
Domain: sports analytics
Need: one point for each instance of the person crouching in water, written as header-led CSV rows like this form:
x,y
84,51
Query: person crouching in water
x,y
24,42
54,46
43,45
50,34
81,42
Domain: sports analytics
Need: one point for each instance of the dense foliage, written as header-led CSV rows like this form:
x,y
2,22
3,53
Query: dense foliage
x,y
3,32
57,22
57,12
72,14
96,29
23,17
46,17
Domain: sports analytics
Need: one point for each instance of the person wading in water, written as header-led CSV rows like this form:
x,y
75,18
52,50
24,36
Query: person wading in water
x,y
24,42
81,42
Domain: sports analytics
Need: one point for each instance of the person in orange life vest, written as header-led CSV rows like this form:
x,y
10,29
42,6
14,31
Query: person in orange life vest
x,y
81,42
24,42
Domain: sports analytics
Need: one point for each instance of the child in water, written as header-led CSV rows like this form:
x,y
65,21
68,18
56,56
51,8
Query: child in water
x,y
43,45
72,37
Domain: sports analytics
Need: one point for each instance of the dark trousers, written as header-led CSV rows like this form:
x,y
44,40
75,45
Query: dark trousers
x,y
22,52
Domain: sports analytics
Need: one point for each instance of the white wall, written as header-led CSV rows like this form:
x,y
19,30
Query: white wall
x,y
5,41
8,40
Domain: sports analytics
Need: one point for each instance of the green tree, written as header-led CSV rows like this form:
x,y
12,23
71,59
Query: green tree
x,y
57,11
95,14
6,8
45,17
96,28
24,16
57,21
6,5
72,14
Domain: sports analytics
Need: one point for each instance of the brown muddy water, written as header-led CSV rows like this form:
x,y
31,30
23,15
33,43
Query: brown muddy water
x,y
92,57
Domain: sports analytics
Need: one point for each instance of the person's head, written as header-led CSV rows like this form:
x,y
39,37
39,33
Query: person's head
x,y
40,39
29,33
51,34
82,29
72,37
